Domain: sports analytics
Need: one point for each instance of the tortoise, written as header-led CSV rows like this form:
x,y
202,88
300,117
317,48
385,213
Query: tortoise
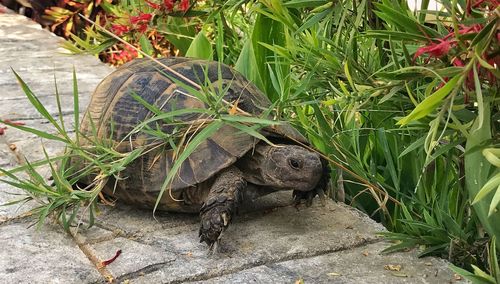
x,y
224,169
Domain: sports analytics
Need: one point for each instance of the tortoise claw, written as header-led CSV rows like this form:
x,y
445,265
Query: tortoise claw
x,y
308,197
217,210
215,247
213,223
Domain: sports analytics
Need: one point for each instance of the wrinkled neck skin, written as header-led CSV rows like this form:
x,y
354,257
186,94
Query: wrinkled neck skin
x,y
252,166
283,167
254,191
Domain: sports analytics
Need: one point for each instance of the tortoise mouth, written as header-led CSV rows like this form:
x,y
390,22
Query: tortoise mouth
x,y
306,185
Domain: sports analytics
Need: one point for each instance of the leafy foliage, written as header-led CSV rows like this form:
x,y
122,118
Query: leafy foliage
x,y
404,103
396,102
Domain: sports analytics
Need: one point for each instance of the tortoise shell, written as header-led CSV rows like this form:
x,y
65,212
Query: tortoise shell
x,y
114,113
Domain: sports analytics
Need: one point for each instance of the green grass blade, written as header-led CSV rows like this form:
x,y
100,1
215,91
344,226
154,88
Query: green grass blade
x,y
37,104
205,133
58,102
76,107
432,101
38,133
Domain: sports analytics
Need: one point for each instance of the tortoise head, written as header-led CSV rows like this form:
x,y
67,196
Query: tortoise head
x,y
283,167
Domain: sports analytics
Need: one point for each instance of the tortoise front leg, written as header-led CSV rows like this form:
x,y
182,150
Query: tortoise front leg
x,y
217,210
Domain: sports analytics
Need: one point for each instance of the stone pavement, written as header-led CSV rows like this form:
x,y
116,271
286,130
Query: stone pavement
x,y
269,242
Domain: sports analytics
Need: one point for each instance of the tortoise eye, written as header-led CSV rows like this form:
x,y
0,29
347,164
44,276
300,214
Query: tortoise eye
x,y
295,164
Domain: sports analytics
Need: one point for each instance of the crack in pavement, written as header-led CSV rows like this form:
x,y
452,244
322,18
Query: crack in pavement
x,y
269,261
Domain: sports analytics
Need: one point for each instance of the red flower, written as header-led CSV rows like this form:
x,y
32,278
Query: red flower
x,y
443,47
142,28
153,5
184,6
169,4
469,29
2,130
142,18
435,49
120,29
457,62
121,56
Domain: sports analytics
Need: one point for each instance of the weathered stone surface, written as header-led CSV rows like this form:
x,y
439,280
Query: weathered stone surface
x,y
135,256
7,159
262,234
365,264
37,56
33,148
44,256
9,194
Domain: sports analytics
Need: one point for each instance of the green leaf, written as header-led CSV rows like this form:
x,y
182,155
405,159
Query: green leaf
x,y
491,184
38,105
305,3
146,45
431,102
313,20
493,156
247,65
382,139
413,146
403,21
178,32
268,30
249,119
491,26
476,279
478,170
495,201
200,47
394,35
37,132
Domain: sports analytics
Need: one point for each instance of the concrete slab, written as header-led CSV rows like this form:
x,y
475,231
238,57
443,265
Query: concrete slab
x,y
44,256
266,234
10,194
365,264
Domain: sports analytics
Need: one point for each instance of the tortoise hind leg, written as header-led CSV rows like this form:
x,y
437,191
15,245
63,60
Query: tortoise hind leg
x,y
217,210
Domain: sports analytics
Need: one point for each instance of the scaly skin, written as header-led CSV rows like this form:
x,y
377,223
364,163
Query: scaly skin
x,y
217,210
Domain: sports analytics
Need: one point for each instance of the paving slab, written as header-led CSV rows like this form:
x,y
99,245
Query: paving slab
x,y
7,159
365,264
263,233
35,54
44,256
7,195
270,241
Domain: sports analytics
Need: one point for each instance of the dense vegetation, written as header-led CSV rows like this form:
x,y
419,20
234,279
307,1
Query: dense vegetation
x,y
404,104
